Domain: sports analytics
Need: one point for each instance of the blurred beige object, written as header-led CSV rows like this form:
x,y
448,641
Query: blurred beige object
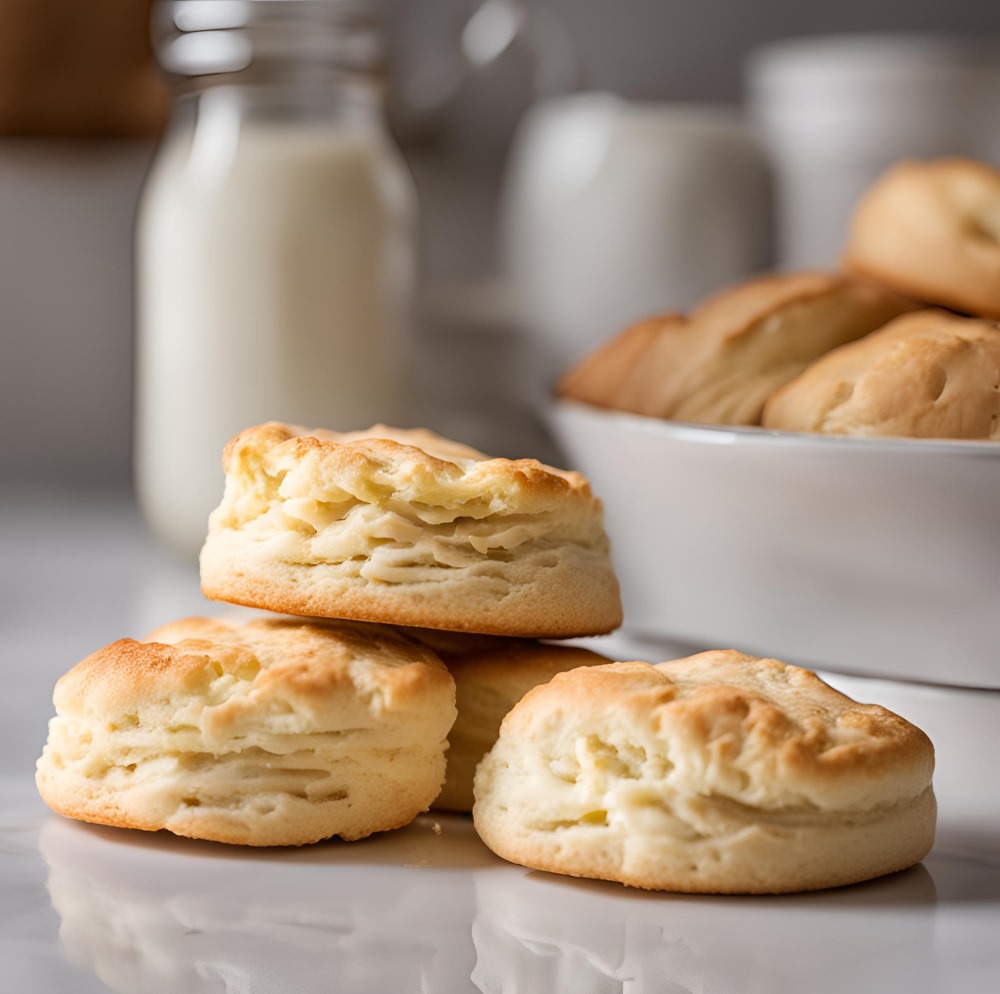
x,y
720,365
78,69
491,675
924,375
930,230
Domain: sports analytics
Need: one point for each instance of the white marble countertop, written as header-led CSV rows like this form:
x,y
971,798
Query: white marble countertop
x,y
428,908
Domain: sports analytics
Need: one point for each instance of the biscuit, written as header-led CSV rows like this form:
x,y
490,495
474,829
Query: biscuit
x,y
931,230
925,375
408,528
276,732
720,773
720,365
491,675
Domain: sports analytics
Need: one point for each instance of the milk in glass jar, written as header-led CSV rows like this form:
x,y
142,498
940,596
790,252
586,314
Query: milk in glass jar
x,y
275,244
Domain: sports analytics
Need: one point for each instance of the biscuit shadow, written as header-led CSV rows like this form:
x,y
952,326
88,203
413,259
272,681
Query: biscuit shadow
x,y
439,841
964,879
948,877
913,887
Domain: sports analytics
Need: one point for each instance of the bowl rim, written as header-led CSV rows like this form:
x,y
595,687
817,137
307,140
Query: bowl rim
x,y
706,434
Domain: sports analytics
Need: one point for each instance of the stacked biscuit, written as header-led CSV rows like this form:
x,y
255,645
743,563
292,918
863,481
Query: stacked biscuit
x,y
719,773
286,730
869,352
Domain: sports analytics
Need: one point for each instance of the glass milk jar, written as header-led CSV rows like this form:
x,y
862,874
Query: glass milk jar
x,y
274,244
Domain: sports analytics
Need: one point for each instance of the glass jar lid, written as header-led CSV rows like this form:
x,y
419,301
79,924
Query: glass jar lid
x,y
205,37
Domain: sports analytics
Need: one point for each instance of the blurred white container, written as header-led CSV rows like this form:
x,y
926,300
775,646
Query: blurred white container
x,y
834,112
613,211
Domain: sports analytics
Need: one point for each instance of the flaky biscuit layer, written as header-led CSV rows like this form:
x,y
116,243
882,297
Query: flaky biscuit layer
x,y
720,773
407,528
276,732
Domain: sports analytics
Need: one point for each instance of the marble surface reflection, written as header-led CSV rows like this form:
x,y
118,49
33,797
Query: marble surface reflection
x,y
85,910
157,914
919,930
541,932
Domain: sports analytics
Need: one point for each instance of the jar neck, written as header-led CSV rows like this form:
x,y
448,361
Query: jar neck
x,y
344,101
289,59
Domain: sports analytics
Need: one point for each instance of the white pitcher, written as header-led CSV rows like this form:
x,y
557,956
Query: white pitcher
x,y
615,210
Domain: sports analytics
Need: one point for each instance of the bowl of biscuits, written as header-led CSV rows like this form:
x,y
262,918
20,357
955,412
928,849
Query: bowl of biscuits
x,y
809,462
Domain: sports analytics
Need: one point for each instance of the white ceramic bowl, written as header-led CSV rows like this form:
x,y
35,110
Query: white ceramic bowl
x,y
872,556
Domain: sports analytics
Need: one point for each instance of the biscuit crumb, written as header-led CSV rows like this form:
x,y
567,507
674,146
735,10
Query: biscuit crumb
x,y
436,828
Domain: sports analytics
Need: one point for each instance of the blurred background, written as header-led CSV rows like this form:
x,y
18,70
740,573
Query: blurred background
x,y
576,165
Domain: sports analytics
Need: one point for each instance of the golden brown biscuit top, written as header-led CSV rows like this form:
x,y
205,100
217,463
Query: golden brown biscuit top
x,y
967,193
733,313
931,230
384,466
371,441
720,364
321,671
926,375
758,731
